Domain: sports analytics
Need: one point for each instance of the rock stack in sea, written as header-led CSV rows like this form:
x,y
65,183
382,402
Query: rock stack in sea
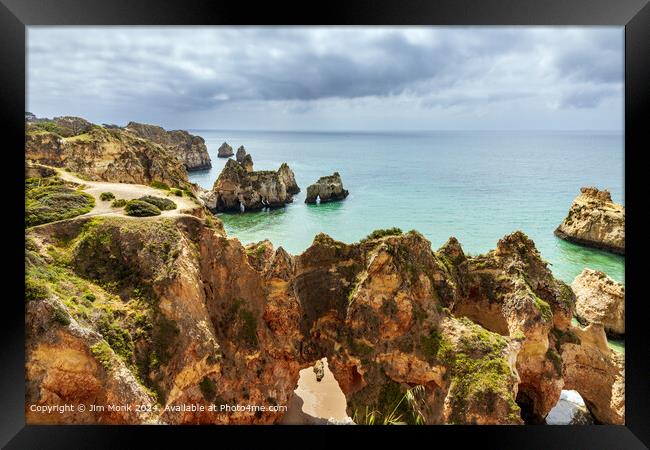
x,y
596,221
239,189
329,188
225,151
245,159
600,299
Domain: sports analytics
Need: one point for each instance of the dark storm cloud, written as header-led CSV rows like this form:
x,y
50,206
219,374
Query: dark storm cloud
x,y
176,70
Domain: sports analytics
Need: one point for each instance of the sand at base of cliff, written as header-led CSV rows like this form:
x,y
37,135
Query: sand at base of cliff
x,y
316,401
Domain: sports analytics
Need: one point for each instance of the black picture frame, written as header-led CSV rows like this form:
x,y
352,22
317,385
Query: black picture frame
x,y
16,15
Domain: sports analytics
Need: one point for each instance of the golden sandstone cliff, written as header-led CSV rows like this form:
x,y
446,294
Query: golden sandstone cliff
x,y
166,312
189,149
600,299
596,221
103,154
162,312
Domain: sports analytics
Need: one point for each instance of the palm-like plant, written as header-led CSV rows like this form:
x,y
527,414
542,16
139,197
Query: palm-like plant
x,y
412,397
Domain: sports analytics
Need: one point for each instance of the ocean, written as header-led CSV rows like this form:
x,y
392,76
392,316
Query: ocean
x,y
475,185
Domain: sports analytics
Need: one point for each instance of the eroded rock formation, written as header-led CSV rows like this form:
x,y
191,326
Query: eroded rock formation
x,y
329,188
106,155
225,151
600,299
596,221
245,159
595,371
195,317
237,189
241,153
189,149
286,175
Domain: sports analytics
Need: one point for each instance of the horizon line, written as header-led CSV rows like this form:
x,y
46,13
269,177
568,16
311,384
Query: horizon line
x,y
405,131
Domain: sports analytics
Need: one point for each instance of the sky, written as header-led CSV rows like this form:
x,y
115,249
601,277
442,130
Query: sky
x,y
331,78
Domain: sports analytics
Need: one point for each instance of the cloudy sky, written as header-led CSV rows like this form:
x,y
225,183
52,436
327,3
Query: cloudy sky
x,y
331,78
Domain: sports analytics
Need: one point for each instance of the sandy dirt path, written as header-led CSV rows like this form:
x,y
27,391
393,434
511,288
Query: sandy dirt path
x,y
126,191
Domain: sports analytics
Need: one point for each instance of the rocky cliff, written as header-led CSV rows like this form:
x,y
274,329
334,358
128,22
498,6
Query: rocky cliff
x,y
327,189
189,149
168,312
106,155
596,221
237,189
600,299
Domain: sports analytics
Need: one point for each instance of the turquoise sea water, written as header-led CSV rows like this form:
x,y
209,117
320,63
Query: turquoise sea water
x,y
476,186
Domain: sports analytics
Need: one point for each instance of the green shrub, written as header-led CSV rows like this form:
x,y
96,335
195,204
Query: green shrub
x,y
90,296
249,327
35,289
102,353
159,185
106,196
119,203
52,128
61,316
164,204
176,192
380,233
208,388
139,208
49,200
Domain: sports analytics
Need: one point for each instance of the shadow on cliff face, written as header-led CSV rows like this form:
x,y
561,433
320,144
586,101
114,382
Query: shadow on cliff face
x,y
526,398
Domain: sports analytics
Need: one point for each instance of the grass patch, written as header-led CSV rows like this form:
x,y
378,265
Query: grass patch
x,y
382,232
117,336
106,196
139,208
61,316
159,185
102,353
480,373
49,200
119,203
256,251
163,204
436,348
544,308
35,289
